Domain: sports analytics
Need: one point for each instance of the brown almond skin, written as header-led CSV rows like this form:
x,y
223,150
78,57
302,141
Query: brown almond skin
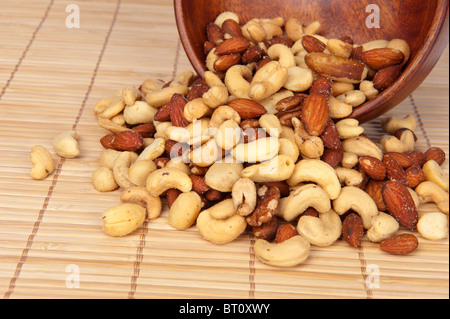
x,y
214,33
374,189
437,154
163,114
315,114
353,229
267,231
199,185
402,159
247,109
373,167
378,59
224,62
234,45
177,105
312,44
394,170
400,245
285,232
127,141
333,157
330,136
232,28
384,78
400,204
414,176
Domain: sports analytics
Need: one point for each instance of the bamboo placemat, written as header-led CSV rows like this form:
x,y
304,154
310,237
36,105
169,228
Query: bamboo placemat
x,y
50,230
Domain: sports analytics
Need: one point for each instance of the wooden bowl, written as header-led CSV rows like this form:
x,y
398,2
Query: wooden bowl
x,y
423,24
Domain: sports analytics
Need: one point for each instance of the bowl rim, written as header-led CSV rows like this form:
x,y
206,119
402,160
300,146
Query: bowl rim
x,y
436,41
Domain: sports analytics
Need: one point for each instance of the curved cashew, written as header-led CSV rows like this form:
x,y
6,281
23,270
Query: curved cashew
x,y
305,196
139,171
224,16
362,146
222,114
349,160
150,85
353,98
294,29
431,192
217,94
383,227
163,96
358,200
299,79
339,88
308,145
228,135
66,145
271,124
392,124
196,133
287,146
235,80
103,180
42,161
244,196
405,144
254,31
166,178
153,151
222,176
120,169
277,169
349,128
349,177
282,54
321,231
115,107
222,210
319,172
123,219
289,253
207,154
433,226
138,113
338,109
195,110
260,150
184,210
367,87
108,156
141,196
220,231
375,44
268,80
434,173
402,46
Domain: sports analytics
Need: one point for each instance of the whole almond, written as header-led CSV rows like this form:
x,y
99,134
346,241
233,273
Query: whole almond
x,y
252,54
384,78
127,141
214,33
337,68
401,245
330,136
394,170
418,158
315,114
398,134
224,62
177,105
381,58
281,40
353,229
247,109
333,157
374,189
437,154
232,28
199,185
285,232
373,167
322,86
401,158
171,195
400,204
312,44
414,176
233,45
146,130
163,114
107,140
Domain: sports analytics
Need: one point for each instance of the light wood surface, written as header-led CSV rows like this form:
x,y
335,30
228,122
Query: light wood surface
x,y
51,77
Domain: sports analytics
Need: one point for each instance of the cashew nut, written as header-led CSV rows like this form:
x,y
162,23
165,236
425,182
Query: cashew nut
x,y
367,87
339,88
362,146
402,46
339,48
228,135
108,156
349,128
224,16
153,151
375,44
308,145
138,113
244,196
217,94
43,164
163,179
349,160
349,177
405,144
299,79
392,124
383,227
184,210
338,109
271,124
434,173
431,192
141,196
222,176
301,198
206,154
358,200
103,180
139,171
223,209
321,231
433,226
319,172
66,145
354,98
294,29
163,96
289,253
123,219
260,150
277,169
282,54
268,80
287,146
236,81
195,110
121,167
224,113
220,231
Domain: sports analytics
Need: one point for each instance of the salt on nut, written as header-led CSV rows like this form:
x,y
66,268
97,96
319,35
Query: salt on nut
x,y
43,164
184,210
321,231
103,180
66,144
163,179
319,172
260,150
244,196
289,253
141,196
123,219
219,231
277,169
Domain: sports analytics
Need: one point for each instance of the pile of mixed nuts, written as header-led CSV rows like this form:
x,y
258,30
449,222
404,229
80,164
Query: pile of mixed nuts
x,y
262,143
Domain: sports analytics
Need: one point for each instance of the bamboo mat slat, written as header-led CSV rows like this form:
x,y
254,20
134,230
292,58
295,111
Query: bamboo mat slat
x,y
50,79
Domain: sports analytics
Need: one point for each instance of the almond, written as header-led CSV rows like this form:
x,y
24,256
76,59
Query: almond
x,y
403,244
398,134
127,141
315,114
394,170
107,140
163,114
400,204
381,58
333,157
267,231
285,232
214,33
252,54
373,167
384,78
336,68
322,86
247,109
374,189
146,130
437,154
353,229
414,176
224,62
402,159
177,105
234,45
312,44
171,195
199,185
232,28
418,158
330,136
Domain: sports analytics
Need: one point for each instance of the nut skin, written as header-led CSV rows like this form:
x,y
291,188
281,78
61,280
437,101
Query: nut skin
x,y
247,109
214,33
414,176
394,170
285,232
373,167
437,154
265,207
177,105
374,189
400,204
232,28
400,245
234,45
384,78
312,44
378,59
315,114
127,141
353,229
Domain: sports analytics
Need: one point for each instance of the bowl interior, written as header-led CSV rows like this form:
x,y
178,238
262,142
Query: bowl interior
x,y
416,21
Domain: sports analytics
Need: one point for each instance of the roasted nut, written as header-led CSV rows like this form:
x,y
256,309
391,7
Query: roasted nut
x,y
42,161
123,219
66,144
184,210
289,253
